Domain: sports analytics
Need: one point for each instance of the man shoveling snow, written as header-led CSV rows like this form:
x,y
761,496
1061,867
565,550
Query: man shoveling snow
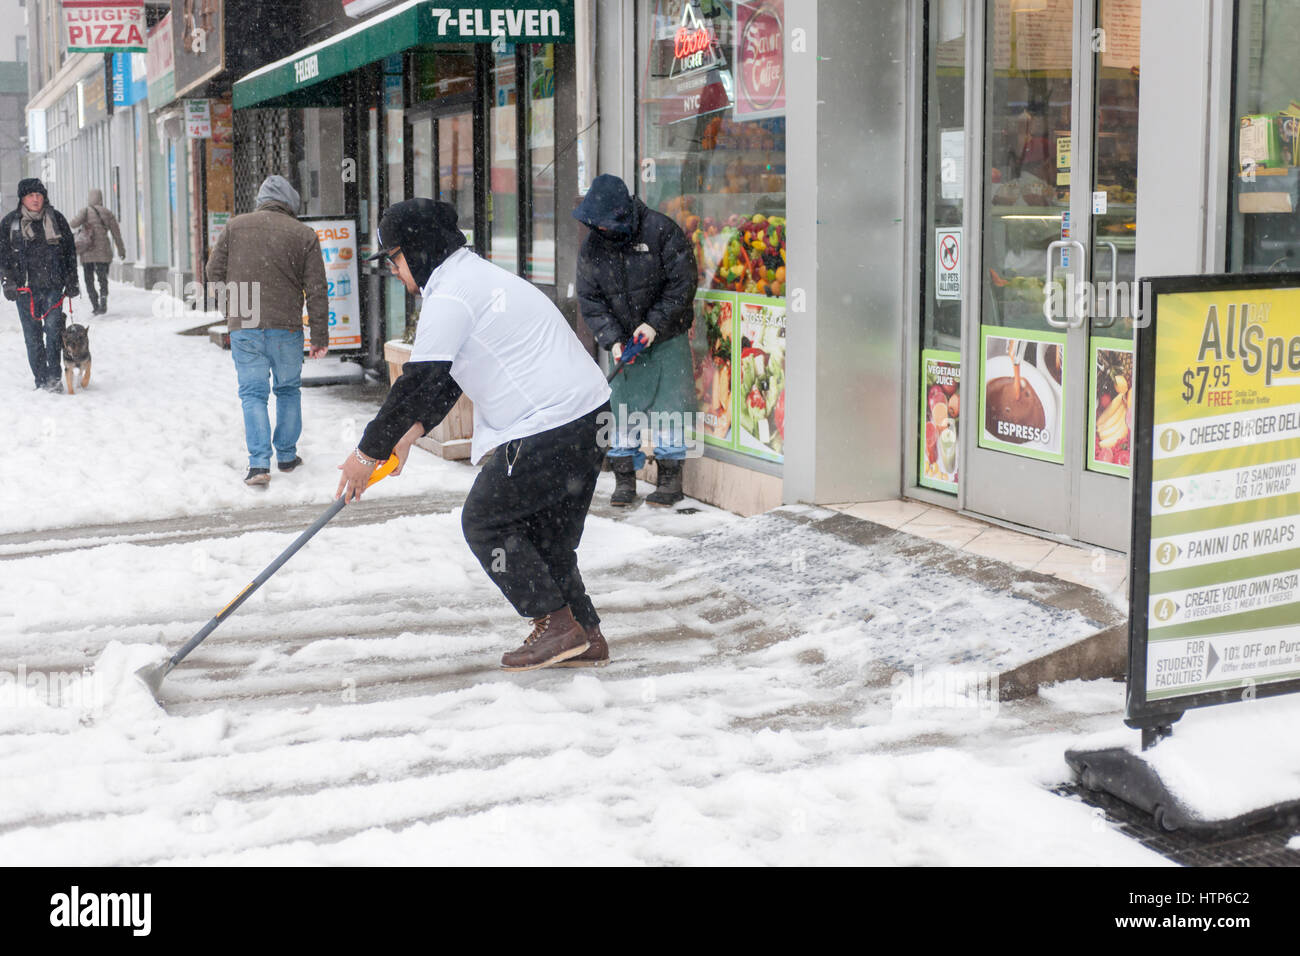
x,y
539,404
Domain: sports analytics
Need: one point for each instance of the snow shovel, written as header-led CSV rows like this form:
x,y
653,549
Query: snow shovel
x,y
633,348
152,676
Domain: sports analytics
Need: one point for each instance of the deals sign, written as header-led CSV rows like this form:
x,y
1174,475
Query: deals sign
x,y
105,26
1215,576
338,247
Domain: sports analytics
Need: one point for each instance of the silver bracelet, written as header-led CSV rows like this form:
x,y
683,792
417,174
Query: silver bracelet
x,y
363,459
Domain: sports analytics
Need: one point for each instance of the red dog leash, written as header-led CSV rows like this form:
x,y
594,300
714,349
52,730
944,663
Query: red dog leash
x,y
31,305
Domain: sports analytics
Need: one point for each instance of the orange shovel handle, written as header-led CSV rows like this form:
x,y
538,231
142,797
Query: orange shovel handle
x,y
383,471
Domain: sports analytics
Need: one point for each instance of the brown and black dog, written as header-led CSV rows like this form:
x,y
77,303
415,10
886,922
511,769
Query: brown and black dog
x,y
76,354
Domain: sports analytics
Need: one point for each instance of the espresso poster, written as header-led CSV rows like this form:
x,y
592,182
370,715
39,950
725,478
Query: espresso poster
x,y
940,414
1021,391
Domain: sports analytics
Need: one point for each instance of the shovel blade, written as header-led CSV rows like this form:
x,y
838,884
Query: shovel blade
x,y
152,676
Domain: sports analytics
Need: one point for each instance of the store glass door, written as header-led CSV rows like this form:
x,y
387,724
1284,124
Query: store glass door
x,y
1060,125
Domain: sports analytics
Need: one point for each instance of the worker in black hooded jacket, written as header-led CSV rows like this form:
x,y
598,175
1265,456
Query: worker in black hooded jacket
x,y
38,267
636,279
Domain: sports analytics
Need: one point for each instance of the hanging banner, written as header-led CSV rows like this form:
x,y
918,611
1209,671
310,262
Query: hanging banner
x,y
104,26
160,64
199,38
1216,498
338,247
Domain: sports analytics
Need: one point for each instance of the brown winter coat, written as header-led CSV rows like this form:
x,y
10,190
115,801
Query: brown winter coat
x,y
100,221
272,248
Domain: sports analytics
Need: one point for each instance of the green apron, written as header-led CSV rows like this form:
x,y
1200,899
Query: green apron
x,y
660,379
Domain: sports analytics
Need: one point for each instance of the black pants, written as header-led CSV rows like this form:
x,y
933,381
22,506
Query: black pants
x,y
44,336
524,517
91,270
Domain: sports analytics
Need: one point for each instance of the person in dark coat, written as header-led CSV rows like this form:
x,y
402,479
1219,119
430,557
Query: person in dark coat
x,y
38,267
636,279
102,224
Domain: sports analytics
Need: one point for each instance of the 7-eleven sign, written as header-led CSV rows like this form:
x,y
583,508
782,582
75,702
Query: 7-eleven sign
x,y
695,44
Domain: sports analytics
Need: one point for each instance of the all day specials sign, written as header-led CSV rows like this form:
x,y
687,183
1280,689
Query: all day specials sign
x,y
104,26
1216,549
338,247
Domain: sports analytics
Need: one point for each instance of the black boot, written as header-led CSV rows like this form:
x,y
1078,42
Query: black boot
x,y
669,490
624,468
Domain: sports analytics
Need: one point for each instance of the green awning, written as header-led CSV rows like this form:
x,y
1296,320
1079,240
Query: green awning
x,y
414,23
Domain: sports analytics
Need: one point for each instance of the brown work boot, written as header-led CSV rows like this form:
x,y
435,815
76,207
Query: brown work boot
x,y
556,637
597,655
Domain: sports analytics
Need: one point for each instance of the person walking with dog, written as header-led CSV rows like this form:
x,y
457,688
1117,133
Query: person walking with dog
x,y
270,259
637,278
540,404
96,223
38,269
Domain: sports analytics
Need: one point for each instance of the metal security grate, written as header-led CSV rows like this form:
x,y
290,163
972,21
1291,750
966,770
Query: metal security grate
x,y
262,147
1265,844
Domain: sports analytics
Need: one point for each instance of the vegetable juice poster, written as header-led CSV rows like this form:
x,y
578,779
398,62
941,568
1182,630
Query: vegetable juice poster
x,y
760,399
940,412
1022,407
712,336
1111,405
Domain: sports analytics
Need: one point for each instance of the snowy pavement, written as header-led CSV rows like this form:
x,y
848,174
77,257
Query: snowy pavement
x,y
772,699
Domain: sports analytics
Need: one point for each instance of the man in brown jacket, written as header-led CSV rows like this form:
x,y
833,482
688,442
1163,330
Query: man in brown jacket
x,y
262,267
99,221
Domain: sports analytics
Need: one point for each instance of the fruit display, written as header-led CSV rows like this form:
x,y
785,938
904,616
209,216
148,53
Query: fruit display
x,y
761,399
738,254
711,335
1113,437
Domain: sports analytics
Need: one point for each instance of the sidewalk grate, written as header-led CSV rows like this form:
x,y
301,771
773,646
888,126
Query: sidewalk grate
x,y
1261,845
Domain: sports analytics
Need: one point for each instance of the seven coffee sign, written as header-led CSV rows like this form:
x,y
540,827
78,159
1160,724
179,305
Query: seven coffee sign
x,y
1215,575
105,26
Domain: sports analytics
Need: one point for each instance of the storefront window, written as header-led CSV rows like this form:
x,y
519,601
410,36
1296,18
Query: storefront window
x,y
711,144
945,245
503,191
541,152
1265,232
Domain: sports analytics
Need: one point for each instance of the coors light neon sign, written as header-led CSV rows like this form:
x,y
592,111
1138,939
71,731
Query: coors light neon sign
x,y
694,44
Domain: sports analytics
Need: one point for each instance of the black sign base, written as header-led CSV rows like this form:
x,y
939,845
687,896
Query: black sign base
x,y
1127,777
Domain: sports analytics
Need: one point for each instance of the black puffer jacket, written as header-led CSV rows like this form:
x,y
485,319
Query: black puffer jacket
x,y
642,270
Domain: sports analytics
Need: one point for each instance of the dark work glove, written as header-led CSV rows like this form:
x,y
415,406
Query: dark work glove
x,y
72,290
10,290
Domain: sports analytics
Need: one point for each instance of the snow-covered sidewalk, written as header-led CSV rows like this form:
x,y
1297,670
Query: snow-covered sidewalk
x,y
159,432
766,703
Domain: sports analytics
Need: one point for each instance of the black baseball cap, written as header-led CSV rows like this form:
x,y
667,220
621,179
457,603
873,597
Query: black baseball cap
x,y
415,223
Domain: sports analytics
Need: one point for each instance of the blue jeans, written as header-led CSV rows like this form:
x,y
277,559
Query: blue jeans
x,y
44,338
666,433
261,355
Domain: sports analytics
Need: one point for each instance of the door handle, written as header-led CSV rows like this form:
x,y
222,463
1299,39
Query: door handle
x,y
1077,320
1114,271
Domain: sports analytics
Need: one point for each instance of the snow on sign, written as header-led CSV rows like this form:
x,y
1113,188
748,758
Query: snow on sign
x,y
1216,504
947,264
105,26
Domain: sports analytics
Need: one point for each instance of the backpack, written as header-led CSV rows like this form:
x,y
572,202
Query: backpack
x,y
84,240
